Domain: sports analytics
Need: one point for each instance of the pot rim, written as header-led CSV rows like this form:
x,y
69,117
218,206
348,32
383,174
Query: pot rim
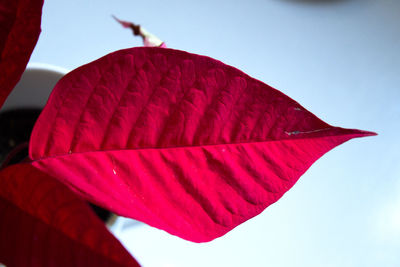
x,y
34,87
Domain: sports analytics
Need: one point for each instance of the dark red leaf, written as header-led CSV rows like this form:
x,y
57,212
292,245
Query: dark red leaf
x,y
19,32
180,141
44,224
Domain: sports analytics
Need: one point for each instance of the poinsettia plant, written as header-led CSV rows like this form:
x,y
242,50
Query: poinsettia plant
x,y
180,141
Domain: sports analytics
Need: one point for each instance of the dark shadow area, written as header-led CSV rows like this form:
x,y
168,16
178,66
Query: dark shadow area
x,y
103,214
16,126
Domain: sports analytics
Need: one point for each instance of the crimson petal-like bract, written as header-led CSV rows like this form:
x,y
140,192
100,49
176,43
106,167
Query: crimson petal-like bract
x,y
179,141
19,31
43,223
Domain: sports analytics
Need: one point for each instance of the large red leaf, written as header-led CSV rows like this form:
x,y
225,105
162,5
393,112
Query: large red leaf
x,y
19,32
43,223
180,141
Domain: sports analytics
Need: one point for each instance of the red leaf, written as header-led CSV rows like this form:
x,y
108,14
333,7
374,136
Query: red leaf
x,y
180,141
19,32
44,224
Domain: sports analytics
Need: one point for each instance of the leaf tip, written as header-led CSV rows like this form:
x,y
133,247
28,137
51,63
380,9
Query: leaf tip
x,y
363,133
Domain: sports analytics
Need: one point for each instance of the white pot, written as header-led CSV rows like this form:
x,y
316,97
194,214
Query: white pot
x,y
35,86
31,92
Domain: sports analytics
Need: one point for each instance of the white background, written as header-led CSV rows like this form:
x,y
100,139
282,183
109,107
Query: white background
x,y
339,59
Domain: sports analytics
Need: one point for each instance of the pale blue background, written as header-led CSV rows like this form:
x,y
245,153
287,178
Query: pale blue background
x,y
339,59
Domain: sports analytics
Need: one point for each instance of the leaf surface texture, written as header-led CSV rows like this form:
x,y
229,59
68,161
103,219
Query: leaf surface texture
x,y
179,141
